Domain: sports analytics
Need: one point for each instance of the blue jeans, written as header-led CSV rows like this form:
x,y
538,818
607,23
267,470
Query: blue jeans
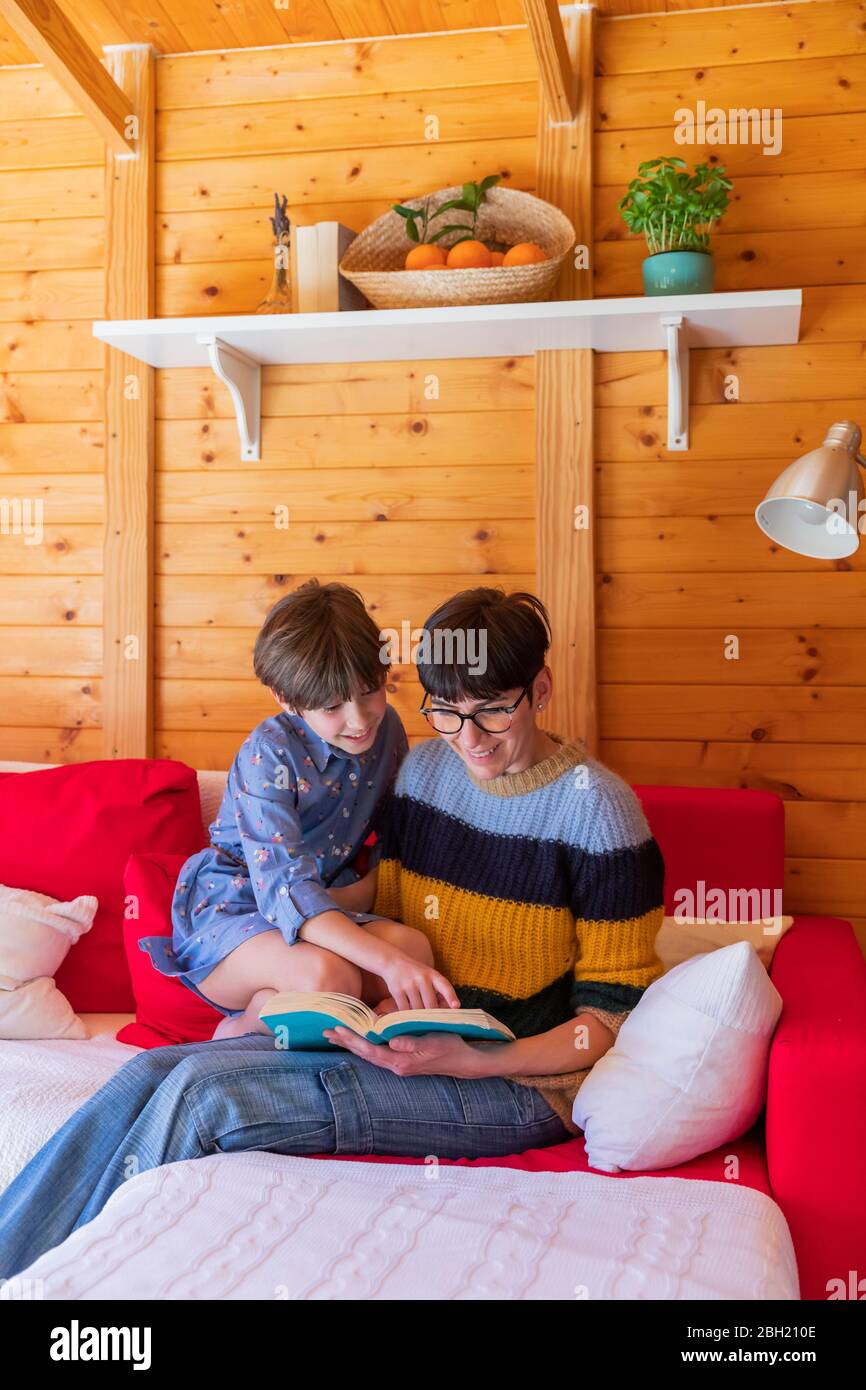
x,y
234,1094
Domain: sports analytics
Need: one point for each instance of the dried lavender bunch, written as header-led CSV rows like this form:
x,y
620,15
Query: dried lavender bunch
x,y
280,219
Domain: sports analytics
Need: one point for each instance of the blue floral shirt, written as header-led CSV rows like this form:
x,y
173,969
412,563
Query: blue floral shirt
x,y
294,814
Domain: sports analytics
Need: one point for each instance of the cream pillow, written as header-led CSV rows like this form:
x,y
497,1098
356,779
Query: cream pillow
x,y
37,1009
35,934
680,938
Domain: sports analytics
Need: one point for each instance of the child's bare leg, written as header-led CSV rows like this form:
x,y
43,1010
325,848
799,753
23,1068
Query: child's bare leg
x,y
265,964
248,1021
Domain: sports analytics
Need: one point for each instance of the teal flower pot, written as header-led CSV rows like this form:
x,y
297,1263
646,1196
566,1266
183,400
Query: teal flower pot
x,y
679,272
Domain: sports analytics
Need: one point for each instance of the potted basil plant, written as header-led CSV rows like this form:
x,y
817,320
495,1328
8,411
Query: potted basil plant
x,y
674,210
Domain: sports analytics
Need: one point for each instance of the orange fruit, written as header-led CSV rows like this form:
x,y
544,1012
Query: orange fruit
x,y
468,255
425,257
497,257
524,253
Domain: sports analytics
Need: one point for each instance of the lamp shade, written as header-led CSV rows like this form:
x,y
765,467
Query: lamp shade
x,y
813,508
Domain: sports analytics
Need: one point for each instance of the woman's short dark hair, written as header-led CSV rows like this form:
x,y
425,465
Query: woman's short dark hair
x,y
488,642
319,647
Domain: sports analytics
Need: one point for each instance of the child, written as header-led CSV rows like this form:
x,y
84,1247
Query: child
x,y
273,902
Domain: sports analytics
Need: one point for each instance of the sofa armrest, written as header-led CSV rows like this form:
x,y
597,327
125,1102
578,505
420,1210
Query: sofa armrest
x,y
816,1100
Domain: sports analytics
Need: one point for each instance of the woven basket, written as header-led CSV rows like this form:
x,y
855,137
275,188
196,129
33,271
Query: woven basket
x,y
375,258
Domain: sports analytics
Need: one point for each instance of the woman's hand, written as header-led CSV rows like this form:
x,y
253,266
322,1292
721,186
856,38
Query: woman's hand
x,y
414,985
429,1054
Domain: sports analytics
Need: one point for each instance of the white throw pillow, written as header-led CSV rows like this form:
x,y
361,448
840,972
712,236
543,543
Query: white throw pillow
x,y
688,1070
680,938
36,932
37,1009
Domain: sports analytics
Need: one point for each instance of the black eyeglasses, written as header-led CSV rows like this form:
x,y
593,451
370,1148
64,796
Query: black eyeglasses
x,y
495,719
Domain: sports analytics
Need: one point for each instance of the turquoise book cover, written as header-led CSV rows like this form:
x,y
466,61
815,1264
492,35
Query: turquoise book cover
x,y
299,1023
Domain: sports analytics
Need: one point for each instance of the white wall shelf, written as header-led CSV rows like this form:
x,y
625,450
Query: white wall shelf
x,y
237,346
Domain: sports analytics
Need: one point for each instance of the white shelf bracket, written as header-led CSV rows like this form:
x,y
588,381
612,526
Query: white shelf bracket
x,y
678,381
243,376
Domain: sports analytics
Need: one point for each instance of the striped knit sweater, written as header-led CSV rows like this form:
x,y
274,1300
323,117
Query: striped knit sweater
x,y
541,892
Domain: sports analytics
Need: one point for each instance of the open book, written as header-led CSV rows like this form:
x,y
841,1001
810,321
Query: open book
x,y
298,1019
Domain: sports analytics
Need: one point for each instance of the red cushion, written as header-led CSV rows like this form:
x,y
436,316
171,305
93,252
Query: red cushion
x,y
70,830
165,1010
362,858
728,838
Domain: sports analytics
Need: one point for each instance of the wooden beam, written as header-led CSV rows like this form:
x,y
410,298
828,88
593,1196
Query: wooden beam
x,y
54,41
128,554
564,415
564,154
566,568
555,68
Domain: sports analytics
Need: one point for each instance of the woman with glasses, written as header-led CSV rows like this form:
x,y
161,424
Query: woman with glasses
x,y
530,868
529,865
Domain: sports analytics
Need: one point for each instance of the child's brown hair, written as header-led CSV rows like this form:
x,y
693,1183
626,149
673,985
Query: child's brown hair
x,y
320,647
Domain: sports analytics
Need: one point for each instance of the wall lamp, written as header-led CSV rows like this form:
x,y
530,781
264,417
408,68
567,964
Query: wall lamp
x,y
815,506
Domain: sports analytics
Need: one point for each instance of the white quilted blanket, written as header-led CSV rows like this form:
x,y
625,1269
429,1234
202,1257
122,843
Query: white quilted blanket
x,y
267,1226
42,1083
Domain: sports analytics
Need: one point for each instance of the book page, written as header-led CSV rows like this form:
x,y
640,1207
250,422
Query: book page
x,y
478,1017
353,1012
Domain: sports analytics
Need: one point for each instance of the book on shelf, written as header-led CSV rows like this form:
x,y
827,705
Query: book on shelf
x,y
315,255
298,1019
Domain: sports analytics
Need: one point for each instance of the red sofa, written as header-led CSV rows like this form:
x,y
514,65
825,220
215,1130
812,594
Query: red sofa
x,y
808,1150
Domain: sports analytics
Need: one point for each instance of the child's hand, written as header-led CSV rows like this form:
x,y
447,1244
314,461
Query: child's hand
x,y
414,985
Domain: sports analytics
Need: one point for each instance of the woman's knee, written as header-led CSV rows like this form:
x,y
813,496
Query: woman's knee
x,y
155,1062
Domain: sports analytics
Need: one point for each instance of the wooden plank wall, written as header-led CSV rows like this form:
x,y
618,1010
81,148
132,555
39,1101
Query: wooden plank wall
x,y
682,564
407,488
51,422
